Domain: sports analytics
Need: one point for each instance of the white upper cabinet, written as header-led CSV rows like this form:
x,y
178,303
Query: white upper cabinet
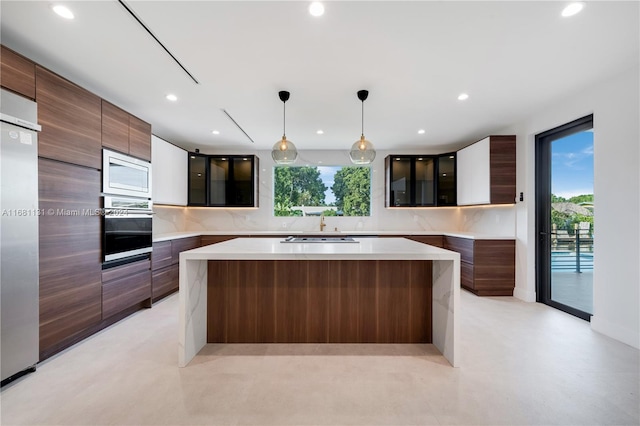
x,y
487,172
474,174
169,173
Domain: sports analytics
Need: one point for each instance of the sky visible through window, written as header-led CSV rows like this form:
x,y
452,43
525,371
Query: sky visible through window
x,y
572,165
327,174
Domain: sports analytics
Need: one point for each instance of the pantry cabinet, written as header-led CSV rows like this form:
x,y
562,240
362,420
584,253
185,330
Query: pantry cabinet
x,y
70,256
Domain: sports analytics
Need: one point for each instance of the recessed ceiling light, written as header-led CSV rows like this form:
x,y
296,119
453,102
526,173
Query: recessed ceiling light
x,y
421,132
63,11
463,97
572,9
320,132
216,132
316,9
172,97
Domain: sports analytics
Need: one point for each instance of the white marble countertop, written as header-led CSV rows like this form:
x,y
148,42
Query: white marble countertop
x,y
363,249
468,235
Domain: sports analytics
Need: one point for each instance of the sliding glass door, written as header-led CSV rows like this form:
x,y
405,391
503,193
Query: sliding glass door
x,y
564,217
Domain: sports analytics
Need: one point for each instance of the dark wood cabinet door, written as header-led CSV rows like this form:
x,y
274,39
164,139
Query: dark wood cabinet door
x,y
164,281
432,240
502,154
71,120
115,128
182,244
206,240
122,293
70,263
464,246
161,255
18,73
139,138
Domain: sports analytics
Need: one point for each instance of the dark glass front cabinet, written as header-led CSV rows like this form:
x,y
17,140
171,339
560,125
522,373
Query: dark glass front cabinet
x,y
420,180
227,181
446,181
197,180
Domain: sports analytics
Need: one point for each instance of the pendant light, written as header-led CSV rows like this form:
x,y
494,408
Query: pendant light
x,y
284,151
362,151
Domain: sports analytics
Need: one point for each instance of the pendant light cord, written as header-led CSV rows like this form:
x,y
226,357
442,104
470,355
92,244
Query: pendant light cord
x,y
362,123
284,119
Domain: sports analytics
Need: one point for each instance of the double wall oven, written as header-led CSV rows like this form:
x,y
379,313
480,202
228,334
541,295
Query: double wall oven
x,y
128,209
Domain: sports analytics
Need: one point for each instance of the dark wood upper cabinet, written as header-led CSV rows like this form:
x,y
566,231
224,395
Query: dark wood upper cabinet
x,y
115,128
502,154
125,133
71,121
139,138
18,73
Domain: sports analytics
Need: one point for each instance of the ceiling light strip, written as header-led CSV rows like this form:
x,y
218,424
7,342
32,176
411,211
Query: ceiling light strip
x,y
237,125
156,39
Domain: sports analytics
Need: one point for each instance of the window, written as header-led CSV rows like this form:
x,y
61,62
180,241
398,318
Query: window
x,y
311,191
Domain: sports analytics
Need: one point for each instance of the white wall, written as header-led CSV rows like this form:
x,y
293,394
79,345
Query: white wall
x,y
614,104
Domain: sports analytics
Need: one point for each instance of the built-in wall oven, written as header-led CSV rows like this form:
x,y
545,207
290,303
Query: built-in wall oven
x,y
126,230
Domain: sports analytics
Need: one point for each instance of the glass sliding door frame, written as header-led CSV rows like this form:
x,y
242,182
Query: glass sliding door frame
x,y
543,143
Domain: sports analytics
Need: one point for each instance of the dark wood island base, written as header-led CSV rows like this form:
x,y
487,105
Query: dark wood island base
x,y
319,301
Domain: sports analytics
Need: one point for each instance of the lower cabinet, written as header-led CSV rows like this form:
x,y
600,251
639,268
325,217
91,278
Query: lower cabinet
x,y
126,286
165,281
206,240
487,267
165,260
432,240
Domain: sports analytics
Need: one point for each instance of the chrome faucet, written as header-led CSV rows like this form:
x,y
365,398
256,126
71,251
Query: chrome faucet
x,y
322,224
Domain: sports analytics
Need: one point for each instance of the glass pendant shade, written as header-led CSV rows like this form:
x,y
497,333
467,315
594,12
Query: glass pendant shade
x,y
362,152
284,152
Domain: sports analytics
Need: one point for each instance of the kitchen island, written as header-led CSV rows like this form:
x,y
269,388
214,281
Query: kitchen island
x,y
444,285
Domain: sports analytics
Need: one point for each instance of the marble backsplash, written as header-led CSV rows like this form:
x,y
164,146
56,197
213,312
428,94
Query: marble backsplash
x,y
496,220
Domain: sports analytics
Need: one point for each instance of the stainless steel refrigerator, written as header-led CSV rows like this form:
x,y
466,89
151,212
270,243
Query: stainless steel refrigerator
x,y
19,313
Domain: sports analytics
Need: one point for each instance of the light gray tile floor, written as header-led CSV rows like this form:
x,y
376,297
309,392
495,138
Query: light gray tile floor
x,y
522,364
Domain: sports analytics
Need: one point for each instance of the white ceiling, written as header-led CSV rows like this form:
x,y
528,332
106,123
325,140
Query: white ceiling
x,y
513,58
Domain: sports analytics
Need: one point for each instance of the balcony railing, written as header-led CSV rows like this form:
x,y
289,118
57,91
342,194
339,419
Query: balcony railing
x,y
572,252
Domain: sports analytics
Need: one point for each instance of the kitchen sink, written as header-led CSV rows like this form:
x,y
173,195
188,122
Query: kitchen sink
x,y
319,240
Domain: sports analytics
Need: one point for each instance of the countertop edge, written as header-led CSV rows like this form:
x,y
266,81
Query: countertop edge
x,y
458,234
